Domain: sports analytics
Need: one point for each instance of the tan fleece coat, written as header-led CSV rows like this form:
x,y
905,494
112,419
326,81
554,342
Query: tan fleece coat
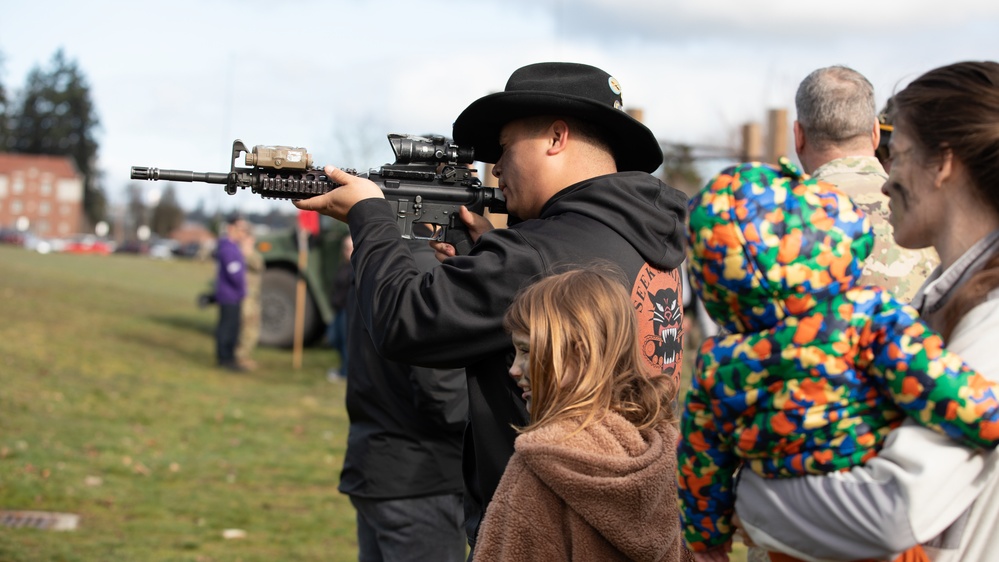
x,y
606,493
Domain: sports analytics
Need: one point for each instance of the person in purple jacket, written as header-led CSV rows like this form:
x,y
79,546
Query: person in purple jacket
x,y
230,288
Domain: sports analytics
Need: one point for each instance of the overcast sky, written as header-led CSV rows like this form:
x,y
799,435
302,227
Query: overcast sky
x,y
175,82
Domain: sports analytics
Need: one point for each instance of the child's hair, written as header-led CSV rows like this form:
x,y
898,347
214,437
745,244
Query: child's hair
x,y
585,356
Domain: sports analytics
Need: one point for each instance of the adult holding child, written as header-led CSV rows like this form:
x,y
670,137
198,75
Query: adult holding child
x,y
814,370
921,488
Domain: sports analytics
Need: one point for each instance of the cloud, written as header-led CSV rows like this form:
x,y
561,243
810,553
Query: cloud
x,y
678,21
174,83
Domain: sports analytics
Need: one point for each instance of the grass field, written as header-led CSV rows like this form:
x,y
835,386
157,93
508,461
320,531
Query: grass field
x,y
111,408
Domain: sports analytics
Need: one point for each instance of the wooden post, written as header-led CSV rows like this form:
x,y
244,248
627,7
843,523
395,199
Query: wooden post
x,y
303,263
752,143
777,134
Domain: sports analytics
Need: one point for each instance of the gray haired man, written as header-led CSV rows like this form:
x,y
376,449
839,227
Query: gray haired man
x,y
835,135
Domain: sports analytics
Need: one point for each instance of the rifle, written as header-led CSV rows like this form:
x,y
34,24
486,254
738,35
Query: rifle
x,y
427,184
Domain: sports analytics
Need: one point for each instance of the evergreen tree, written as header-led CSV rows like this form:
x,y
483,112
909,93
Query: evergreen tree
x,y
679,170
4,110
167,214
55,115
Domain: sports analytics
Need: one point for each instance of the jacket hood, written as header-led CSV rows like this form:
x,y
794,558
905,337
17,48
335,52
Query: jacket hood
x,y
645,211
620,481
767,242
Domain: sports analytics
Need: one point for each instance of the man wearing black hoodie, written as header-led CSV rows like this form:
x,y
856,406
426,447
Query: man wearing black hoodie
x,y
574,168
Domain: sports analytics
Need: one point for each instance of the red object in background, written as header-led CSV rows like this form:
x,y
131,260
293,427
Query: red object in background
x,y
309,222
87,245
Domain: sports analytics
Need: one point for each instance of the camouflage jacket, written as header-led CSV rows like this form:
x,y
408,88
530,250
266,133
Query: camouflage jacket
x,y
254,270
891,267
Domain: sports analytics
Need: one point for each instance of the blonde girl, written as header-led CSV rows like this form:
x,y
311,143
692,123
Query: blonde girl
x,y
593,473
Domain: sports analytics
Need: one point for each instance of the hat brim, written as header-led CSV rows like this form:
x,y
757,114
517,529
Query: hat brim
x,y
635,147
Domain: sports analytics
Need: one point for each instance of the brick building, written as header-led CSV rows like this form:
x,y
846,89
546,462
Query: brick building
x,y
45,190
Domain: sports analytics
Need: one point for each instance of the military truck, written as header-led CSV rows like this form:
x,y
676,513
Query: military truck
x,y
280,280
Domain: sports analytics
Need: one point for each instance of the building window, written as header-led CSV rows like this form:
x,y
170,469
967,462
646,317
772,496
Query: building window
x,y
70,191
44,208
18,185
16,207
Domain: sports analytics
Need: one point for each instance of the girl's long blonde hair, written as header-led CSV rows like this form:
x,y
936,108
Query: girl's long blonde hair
x,y
585,356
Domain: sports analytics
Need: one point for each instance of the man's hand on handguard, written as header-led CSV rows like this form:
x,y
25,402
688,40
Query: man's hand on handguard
x,y
339,201
477,226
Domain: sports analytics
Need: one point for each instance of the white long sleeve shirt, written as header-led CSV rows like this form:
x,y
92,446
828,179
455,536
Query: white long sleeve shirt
x,y
922,488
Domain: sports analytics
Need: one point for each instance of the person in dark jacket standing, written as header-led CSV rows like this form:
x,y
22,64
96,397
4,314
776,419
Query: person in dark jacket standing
x,y
336,332
574,168
230,289
402,468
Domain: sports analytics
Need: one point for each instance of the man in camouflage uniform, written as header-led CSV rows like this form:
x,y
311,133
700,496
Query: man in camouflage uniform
x,y
249,331
835,136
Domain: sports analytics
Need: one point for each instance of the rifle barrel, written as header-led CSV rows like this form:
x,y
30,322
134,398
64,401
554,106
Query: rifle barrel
x,y
153,174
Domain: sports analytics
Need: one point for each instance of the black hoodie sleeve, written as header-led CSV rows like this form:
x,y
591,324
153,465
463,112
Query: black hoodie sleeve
x,y
447,317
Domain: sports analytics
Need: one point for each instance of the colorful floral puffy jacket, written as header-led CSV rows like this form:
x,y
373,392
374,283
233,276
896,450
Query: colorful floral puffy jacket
x,y
810,372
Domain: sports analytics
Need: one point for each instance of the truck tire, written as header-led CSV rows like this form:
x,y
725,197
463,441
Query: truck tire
x,y
277,310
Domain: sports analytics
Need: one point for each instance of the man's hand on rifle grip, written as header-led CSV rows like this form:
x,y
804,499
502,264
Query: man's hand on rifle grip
x,y
477,226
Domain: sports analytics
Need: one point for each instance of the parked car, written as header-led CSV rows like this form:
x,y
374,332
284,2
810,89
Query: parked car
x,y
40,245
88,244
11,236
132,247
189,250
162,249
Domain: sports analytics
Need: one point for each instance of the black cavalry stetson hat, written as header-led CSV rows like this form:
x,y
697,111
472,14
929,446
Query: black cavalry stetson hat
x,y
560,89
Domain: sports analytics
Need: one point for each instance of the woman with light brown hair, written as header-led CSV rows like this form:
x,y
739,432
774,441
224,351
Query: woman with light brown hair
x,y
593,473
922,488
